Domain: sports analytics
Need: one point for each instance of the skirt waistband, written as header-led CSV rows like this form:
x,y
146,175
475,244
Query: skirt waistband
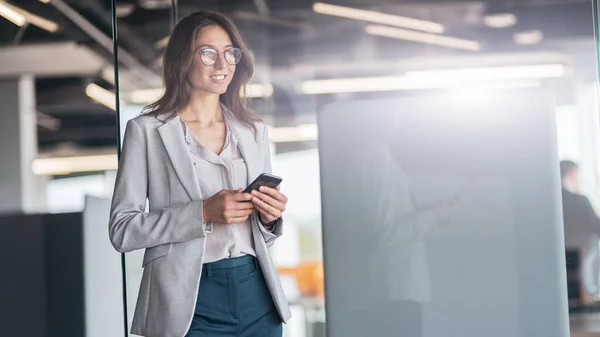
x,y
231,263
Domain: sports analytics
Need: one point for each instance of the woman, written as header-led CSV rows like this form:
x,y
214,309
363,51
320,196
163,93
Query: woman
x,y
206,267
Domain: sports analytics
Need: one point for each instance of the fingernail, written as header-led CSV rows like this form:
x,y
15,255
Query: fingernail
x,y
262,188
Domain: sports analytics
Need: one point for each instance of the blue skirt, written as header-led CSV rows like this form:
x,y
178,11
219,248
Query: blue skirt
x,y
234,301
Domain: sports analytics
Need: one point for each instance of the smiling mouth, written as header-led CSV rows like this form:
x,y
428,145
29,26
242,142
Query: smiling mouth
x,y
218,77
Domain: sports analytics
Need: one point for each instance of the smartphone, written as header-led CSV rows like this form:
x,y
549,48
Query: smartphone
x,y
264,179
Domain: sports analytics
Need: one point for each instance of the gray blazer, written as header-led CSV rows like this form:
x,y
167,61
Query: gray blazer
x,y
155,166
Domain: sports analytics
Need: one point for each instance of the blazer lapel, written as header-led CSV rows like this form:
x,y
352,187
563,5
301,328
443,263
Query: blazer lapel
x,y
249,148
172,137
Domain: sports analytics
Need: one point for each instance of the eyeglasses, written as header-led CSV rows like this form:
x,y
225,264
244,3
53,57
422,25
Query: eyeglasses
x,y
209,56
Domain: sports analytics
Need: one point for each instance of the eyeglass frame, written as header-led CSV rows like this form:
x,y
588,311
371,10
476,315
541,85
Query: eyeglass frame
x,y
200,50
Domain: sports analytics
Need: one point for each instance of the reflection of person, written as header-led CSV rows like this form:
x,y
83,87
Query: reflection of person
x,y
397,266
206,267
582,226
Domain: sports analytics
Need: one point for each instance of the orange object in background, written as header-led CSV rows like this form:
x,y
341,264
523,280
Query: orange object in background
x,y
309,277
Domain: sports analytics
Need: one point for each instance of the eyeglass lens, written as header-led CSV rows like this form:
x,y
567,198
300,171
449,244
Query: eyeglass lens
x,y
210,56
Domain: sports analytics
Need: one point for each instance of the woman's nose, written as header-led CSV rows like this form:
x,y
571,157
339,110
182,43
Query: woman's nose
x,y
221,63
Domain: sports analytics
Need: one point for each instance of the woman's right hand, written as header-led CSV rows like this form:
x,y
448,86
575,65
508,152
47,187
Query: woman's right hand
x,y
228,207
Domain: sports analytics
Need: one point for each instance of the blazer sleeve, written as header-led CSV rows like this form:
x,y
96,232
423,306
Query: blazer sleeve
x,y
275,231
130,227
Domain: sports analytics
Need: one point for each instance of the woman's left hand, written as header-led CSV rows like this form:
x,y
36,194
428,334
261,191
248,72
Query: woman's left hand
x,y
269,202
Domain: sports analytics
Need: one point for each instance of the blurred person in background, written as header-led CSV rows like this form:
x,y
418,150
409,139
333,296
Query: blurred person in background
x,y
582,230
190,154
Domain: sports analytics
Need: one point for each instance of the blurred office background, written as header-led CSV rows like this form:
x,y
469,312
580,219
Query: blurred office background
x,y
59,134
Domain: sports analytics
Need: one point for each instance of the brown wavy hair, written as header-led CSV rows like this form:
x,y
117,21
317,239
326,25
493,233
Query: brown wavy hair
x,y
177,61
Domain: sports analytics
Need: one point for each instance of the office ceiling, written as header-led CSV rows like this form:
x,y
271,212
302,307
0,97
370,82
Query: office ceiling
x,y
284,34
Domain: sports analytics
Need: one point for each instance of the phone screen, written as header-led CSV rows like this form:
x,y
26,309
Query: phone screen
x,y
264,179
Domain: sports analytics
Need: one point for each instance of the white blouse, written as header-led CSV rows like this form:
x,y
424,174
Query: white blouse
x,y
214,173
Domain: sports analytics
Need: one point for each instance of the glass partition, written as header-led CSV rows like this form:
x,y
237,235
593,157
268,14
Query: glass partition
x,y
485,98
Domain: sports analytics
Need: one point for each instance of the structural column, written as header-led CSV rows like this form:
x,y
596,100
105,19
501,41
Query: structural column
x,y
20,190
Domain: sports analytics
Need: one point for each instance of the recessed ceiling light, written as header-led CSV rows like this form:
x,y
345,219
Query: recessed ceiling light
x,y
101,95
12,15
500,20
20,16
378,17
435,79
155,4
434,39
528,37
124,10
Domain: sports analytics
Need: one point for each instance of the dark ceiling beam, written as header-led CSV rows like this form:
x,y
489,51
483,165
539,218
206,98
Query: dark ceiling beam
x,y
131,62
79,134
269,20
134,42
79,109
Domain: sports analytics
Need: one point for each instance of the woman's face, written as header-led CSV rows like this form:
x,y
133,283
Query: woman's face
x,y
214,78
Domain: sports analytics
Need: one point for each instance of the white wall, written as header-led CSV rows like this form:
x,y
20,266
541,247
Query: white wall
x,y
68,194
102,273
